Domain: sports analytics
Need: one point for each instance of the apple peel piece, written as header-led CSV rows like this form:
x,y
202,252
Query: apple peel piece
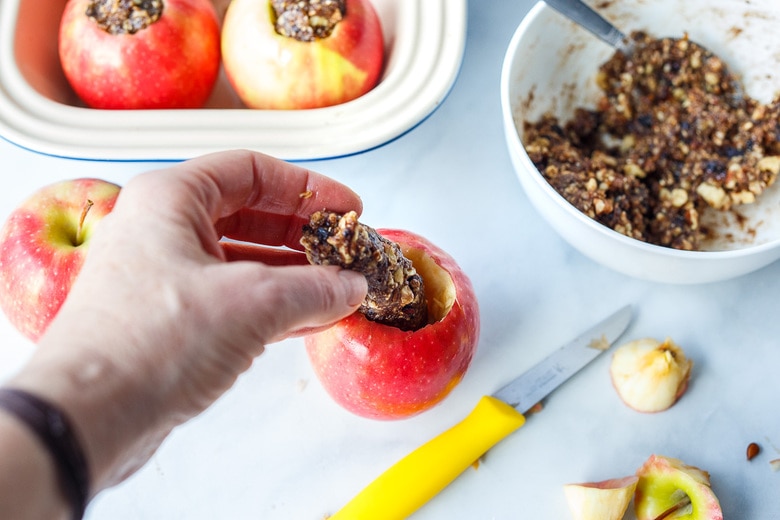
x,y
604,500
649,375
671,489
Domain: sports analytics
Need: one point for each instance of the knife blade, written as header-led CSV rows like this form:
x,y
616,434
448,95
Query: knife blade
x,y
422,474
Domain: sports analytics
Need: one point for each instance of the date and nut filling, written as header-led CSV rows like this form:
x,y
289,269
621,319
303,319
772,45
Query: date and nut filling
x,y
124,16
672,135
307,20
396,295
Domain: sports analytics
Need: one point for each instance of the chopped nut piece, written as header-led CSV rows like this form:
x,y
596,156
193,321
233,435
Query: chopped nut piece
x,y
396,295
633,170
769,164
678,197
713,195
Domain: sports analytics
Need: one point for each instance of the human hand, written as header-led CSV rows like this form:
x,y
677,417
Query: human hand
x,y
164,315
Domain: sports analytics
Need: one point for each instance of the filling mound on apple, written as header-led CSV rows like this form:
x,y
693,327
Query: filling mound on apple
x,y
415,334
307,21
396,294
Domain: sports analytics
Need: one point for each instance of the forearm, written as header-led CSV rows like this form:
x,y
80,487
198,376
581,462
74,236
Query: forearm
x,y
109,407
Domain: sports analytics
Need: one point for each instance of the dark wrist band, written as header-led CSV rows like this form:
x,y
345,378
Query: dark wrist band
x,y
53,429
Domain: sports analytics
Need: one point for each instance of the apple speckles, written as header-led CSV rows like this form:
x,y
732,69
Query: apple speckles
x,y
36,272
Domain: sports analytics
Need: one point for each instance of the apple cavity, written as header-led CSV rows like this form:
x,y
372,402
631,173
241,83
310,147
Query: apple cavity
x,y
671,489
382,372
43,244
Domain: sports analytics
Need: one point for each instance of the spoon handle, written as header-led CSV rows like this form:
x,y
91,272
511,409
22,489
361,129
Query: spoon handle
x,y
581,14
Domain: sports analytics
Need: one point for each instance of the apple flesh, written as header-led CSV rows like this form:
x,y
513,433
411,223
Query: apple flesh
x,y
381,372
650,375
43,244
671,489
171,63
604,500
269,70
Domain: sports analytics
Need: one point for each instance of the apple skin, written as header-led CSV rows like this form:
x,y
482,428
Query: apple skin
x,y
665,481
172,63
381,372
40,254
271,71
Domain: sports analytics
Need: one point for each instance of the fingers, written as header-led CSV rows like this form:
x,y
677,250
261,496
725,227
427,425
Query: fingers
x,y
261,199
296,298
239,194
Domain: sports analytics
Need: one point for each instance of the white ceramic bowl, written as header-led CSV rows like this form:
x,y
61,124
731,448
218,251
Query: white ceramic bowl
x,y
424,41
550,67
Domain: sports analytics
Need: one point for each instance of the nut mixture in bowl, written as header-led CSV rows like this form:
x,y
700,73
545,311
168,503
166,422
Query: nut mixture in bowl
x,y
672,135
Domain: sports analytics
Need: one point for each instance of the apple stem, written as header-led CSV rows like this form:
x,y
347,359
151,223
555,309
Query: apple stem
x,y
84,212
685,502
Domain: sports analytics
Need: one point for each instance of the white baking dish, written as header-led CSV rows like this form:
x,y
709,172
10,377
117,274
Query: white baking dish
x,y
38,110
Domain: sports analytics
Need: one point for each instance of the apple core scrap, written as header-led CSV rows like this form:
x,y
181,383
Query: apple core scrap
x,y
396,294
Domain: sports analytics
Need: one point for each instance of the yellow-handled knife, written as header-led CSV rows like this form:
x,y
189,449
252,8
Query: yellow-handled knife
x,y
419,476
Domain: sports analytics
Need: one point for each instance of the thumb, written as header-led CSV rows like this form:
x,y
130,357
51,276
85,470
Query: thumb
x,y
294,300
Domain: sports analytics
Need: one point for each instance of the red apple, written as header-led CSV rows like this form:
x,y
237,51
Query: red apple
x,y
172,62
272,71
42,247
381,372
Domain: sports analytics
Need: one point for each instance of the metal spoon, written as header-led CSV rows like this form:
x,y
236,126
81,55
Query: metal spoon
x,y
583,15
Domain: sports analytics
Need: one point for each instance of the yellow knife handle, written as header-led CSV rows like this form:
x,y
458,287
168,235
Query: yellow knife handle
x,y
422,474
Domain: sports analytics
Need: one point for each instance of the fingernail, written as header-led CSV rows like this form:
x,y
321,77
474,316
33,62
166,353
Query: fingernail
x,y
356,286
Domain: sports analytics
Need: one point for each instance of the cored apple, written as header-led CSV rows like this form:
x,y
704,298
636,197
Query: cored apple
x,y
382,372
330,58
140,54
43,244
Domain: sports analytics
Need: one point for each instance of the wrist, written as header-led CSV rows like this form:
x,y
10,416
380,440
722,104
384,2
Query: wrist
x,y
53,430
114,423
29,488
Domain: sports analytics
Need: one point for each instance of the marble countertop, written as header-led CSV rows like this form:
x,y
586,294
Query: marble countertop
x,y
277,447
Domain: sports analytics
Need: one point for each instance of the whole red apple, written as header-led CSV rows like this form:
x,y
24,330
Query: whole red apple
x,y
382,372
140,54
273,70
42,248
